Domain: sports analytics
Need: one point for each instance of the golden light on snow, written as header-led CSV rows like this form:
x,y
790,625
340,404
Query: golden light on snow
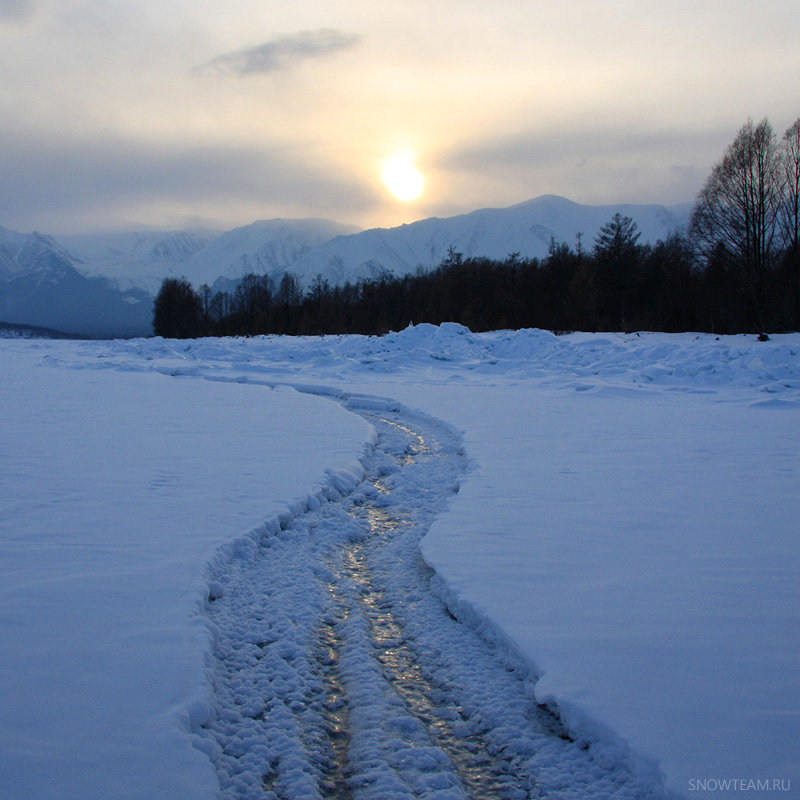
x,y
401,177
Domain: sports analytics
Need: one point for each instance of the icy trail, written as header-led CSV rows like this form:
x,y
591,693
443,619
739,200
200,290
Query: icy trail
x,y
338,673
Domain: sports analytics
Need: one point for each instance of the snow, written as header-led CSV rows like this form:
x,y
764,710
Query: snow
x,y
646,559
136,260
628,530
264,247
526,228
335,629
118,491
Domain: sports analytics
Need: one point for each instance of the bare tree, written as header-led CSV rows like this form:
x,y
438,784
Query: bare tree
x,y
738,210
790,156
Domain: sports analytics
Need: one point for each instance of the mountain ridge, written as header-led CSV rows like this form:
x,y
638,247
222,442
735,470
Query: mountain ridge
x,y
526,228
118,274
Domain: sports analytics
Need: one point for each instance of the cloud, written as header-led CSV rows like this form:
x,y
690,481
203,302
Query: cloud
x,y
15,10
58,184
283,52
591,164
576,145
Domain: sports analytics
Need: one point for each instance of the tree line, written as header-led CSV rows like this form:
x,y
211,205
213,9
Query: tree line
x,y
736,269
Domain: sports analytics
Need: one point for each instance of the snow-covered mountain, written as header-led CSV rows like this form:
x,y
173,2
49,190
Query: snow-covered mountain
x,y
526,228
267,247
103,285
30,254
139,260
40,285
142,260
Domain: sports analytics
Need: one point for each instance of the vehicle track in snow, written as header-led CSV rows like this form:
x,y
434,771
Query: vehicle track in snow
x,y
338,673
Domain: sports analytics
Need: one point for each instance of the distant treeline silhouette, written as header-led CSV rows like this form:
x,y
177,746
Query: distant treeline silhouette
x,y
736,270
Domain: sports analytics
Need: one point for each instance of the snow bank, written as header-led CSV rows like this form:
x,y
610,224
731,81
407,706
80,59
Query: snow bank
x,y
118,491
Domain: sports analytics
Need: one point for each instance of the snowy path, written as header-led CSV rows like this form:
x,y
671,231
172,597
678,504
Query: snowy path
x,y
338,672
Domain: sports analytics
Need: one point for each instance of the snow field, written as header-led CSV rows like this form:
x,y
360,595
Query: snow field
x,y
631,528
117,491
645,560
629,531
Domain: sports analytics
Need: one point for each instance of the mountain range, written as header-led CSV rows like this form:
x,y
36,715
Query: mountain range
x,y
103,285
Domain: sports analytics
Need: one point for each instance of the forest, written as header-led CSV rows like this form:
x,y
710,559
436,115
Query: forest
x,y
735,270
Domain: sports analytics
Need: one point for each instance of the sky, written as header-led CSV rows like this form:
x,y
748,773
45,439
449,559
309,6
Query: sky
x,y
117,114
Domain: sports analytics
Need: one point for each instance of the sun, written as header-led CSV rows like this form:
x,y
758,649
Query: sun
x,y
401,177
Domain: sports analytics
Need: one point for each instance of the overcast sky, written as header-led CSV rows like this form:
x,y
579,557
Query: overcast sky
x,y
117,114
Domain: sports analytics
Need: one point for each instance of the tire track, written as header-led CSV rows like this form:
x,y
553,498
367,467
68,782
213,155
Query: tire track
x,y
338,674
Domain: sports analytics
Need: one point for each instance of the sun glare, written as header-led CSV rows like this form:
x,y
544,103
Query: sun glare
x,y
401,177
